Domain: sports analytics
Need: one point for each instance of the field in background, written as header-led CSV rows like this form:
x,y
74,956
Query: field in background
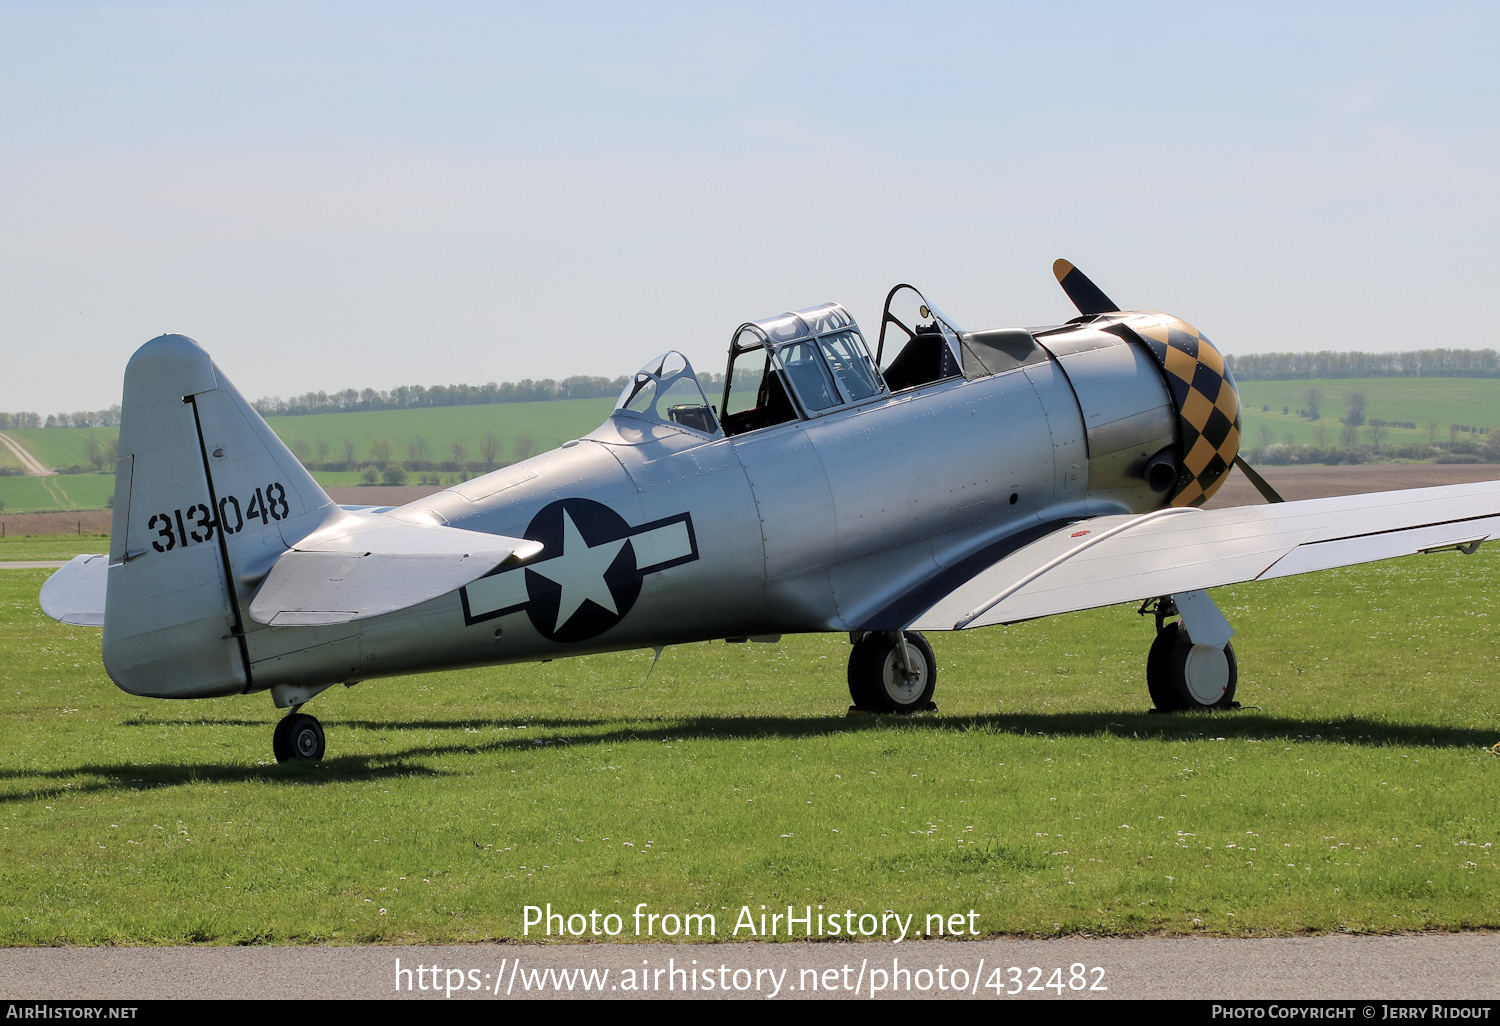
x,y
1355,792
61,491
1443,401
342,478
62,447
547,424
535,426
543,425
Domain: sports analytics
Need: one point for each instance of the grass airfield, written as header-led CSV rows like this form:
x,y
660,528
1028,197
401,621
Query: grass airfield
x,y
1359,796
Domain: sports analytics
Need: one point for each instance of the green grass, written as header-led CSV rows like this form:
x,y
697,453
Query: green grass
x,y
58,492
349,478
1359,795
1443,401
19,547
62,447
548,424
338,478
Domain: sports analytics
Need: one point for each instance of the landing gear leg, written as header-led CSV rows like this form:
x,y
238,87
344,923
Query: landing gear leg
x,y
298,736
1191,665
892,672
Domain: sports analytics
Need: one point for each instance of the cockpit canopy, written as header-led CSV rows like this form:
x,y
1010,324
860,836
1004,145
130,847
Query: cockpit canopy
x,y
666,391
806,363
815,361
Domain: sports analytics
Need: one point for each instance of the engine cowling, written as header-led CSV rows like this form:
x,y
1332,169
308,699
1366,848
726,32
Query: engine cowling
x,y
1129,422
1160,410
1205,398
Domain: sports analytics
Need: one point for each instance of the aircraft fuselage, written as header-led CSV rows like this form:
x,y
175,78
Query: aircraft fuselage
x,y
656,535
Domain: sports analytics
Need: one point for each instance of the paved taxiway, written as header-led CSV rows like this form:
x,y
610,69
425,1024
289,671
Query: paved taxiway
x,y
1428,967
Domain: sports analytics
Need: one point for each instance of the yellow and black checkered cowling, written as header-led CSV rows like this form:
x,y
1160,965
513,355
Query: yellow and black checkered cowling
x,y
1208,404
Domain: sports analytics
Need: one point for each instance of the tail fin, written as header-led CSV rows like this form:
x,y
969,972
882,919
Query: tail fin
x,y
206,499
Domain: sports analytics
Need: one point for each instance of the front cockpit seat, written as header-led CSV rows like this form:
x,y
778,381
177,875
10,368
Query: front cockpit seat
x,y
919,362
775,404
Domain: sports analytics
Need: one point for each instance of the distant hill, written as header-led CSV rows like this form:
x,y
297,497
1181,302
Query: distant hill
x,y
318,439
1453,413
514,430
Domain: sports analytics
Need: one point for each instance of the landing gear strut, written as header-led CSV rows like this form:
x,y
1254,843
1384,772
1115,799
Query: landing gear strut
x,y
1184,675
298,736
890,678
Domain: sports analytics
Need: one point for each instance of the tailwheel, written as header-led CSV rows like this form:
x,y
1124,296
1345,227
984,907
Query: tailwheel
x,y
298,736
887,678
1183,676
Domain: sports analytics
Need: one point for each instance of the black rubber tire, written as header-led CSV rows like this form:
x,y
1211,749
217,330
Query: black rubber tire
x,y
298,736
1168,674
876,681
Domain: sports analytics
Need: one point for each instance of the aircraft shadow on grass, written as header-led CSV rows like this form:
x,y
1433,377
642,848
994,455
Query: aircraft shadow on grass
x,y
1142,726
541,734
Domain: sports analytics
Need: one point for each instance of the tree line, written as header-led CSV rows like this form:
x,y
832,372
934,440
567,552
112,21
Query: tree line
x,y
82,418
410,397
1416,363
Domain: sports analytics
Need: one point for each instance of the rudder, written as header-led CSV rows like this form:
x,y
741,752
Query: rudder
x,y
207,498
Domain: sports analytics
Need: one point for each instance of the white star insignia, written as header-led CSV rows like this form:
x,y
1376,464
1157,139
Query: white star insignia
x,y
579,571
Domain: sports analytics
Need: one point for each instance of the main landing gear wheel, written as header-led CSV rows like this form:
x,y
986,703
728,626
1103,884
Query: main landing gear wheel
x,y
298,736
881,681
1184,676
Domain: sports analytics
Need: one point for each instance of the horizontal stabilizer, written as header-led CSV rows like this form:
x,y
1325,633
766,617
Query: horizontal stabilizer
x,y
75,593
1125,558
367,565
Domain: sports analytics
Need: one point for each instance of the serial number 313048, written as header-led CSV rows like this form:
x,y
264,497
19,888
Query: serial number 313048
x,y
183,527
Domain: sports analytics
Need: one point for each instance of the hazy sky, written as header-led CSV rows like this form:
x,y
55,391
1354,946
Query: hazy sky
x,y
354,194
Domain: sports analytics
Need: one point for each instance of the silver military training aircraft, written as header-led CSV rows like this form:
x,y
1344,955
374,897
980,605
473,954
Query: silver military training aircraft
x,y
956,479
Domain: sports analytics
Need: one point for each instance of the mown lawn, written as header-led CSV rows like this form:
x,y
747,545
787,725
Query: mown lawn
x,y
19,547
1356,791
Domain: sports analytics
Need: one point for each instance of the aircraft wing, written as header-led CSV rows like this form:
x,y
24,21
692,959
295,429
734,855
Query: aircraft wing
x,y
368,565
1129,558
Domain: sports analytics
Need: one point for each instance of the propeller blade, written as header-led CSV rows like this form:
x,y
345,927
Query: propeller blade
x,y
1084,293
1261,484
